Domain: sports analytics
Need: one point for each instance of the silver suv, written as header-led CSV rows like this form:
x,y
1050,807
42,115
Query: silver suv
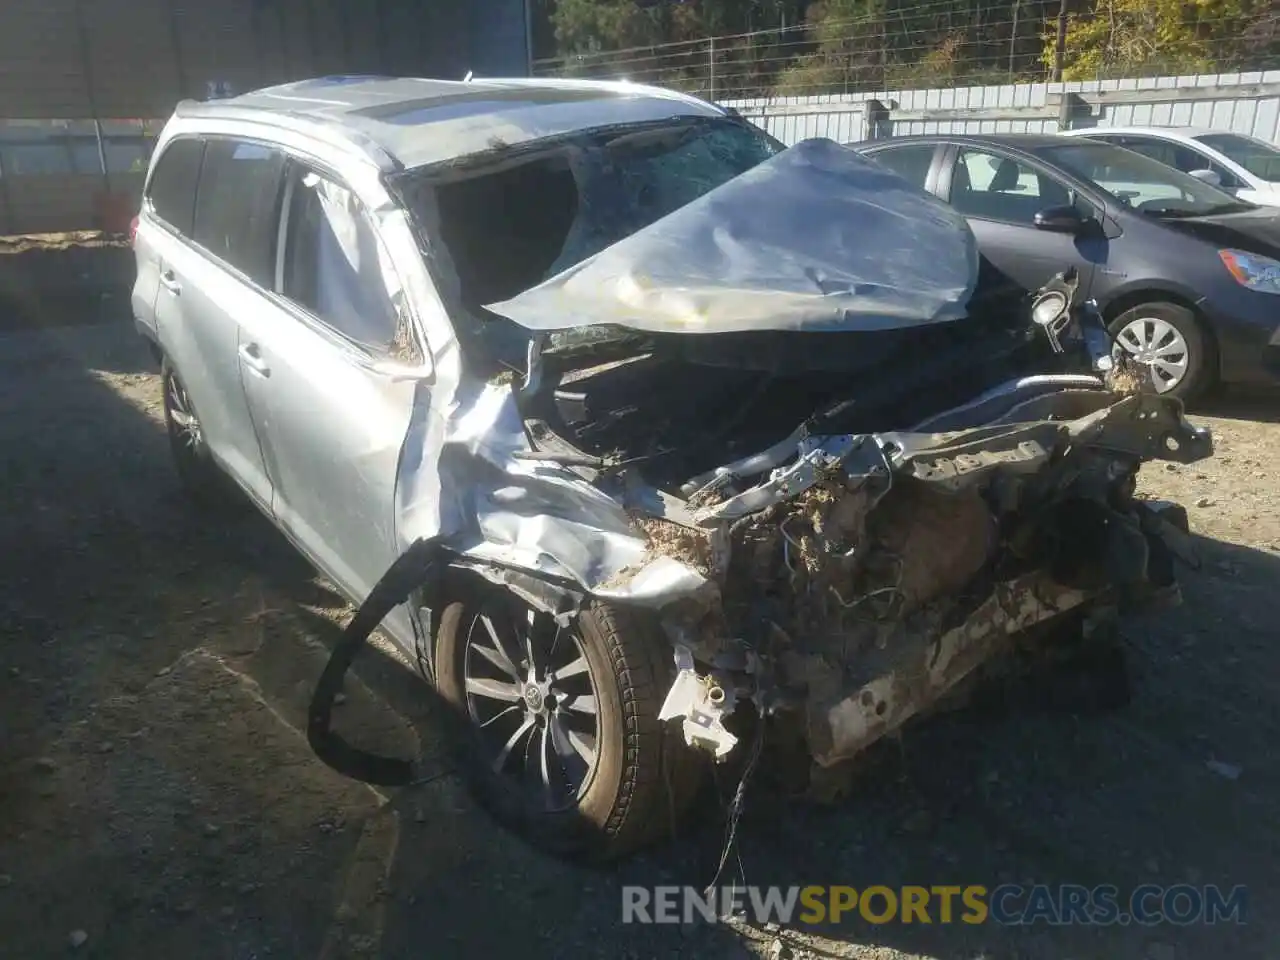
x,y
632,423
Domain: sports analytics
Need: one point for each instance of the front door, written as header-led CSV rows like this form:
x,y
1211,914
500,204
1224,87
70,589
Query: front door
x,y
332,425
1000,196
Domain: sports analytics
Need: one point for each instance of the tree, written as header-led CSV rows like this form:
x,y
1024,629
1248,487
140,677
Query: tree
x,y
1128,37
834,46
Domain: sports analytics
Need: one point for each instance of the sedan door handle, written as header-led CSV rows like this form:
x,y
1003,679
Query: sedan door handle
x,y
169,281
252,359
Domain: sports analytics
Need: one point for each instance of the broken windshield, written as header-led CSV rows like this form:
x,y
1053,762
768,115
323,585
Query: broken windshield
x,y
510,222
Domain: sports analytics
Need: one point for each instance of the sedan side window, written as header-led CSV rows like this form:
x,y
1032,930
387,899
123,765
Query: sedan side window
x,y
1159,150
336,267
1179,157
993,187
912,162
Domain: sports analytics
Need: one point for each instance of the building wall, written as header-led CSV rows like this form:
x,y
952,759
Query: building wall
x,y
80,61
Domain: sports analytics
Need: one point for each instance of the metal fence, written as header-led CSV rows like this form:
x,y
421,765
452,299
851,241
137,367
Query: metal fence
x,y
920,44
1247,103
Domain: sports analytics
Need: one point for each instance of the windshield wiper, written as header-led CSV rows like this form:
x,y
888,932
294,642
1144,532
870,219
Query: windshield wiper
x,y
1179,213
1236,206
1172,213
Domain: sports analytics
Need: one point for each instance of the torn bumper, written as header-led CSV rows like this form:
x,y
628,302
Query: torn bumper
x,y
885,569
927,666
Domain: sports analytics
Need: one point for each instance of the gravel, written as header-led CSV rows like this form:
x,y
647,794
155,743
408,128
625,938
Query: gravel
x,y
131,621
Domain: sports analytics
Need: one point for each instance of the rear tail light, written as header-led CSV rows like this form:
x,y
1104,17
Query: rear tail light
x,y
133,231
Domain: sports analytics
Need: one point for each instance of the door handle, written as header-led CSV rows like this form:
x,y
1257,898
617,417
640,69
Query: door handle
x,y
252,358
169,280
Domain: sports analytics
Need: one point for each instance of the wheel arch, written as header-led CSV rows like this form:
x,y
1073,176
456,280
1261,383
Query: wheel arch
x,y
438,587
1130,297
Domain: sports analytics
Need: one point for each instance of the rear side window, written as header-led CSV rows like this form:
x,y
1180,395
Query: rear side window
x,y
911,163
172,190
238,206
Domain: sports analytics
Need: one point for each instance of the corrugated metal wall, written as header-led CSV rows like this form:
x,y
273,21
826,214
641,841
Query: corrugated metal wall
x,y
108,60
1242,102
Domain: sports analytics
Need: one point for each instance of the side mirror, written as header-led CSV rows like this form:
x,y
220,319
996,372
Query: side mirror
x,y
1059,220
1207,176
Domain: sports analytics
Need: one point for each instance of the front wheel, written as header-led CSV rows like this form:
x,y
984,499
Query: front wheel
x,y
1168,340
563,743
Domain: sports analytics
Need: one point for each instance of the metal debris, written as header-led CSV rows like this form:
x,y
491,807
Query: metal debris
x,y
703,704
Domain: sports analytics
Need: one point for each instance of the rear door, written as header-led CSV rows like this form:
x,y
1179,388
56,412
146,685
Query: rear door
x,y
1000,194
166,217
332,421
208,285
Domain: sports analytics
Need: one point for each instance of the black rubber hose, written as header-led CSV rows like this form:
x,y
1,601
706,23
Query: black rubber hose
x,y
420,565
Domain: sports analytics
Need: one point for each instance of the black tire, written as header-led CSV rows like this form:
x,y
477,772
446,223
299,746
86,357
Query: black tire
x,y
645,777
1200,372
201,478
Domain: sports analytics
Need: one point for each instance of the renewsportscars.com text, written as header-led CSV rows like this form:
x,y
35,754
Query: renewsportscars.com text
x,y
1006,904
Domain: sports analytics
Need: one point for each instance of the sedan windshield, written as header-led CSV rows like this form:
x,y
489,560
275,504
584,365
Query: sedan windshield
x,y
1259,158
1142,183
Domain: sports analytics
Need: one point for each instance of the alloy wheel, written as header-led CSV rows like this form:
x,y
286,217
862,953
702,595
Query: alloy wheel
x,y
531,694
185,424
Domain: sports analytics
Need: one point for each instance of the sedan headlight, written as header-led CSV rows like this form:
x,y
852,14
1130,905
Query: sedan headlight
x,y
1252,271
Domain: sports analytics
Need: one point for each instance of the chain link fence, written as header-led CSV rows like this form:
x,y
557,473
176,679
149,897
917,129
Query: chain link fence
x,y
941,44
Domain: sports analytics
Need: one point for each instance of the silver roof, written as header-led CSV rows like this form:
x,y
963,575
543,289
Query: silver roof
x,y
419,122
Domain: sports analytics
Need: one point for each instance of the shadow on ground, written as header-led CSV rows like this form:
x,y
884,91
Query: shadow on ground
x,y
1253,403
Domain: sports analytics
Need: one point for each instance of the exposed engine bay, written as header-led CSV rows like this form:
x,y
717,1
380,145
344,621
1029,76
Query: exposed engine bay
x,y
855,575
841,467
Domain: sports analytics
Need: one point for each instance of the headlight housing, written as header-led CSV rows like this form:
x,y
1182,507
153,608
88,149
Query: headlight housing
x,y
1252,271
1046,310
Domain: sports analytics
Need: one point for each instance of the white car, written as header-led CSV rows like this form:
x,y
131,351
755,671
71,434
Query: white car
x,y
1247,167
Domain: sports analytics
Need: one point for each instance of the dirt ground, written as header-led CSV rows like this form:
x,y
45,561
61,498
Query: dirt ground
x,y
158,798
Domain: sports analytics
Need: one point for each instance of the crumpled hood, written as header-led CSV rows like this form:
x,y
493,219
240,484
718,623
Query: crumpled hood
x,y
815,238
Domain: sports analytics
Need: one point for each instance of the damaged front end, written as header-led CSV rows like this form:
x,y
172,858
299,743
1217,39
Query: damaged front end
x,y
832,462
872,573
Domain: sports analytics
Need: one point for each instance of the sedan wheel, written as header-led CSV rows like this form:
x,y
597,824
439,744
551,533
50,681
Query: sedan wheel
x,y
1153,342
1165,338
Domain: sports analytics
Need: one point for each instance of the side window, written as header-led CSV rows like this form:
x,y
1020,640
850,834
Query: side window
x,y
172,189
336,267
912,163
1166,153
1179,157
1226,179
237,206
1001,188
1189,159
